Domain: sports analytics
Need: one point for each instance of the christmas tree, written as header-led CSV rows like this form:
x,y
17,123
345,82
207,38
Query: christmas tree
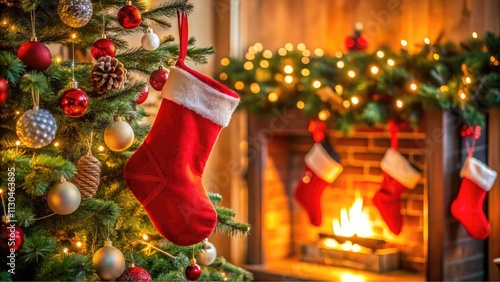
x,y
68,128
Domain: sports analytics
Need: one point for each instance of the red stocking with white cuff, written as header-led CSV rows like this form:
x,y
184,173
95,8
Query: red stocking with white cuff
x,y
165,173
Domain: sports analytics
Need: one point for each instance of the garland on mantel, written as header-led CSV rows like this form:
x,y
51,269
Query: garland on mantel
x,y
370,88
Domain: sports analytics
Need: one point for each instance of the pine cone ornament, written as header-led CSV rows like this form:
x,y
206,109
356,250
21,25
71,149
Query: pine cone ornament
x,y
88,176
108,73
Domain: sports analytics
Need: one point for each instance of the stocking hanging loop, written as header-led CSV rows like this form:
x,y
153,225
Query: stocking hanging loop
x,y
183,34
393,132
317,129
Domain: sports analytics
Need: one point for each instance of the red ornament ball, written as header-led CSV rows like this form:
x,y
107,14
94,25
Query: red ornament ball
x,y
11,237
192,272
4,90
356,43
74,102
129,16
143,96
135,274
103,47
35,55
158,78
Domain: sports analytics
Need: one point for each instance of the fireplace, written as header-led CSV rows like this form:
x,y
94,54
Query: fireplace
x,y
284,245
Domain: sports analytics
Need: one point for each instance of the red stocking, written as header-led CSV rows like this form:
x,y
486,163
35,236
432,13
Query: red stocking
x,y
165,173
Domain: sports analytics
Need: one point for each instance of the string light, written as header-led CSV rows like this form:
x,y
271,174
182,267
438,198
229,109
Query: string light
x,y
258,47
255,88
65,250
380,54
73,36
252,49
17,113
18,143
317,84
436,56
58,59
145,237
248,65
413,86
351,74
462,95
427,41
444,88
288,79
305,60
4,22
264,64
404,43
339,54
301,47
324,115
391,62
272,97
101,148
474,34
306,53
346,104
289,47
300,105
56,144
288,69
319,52
340,64
305,72
223,76
267,54
79,244
354,100
468,80
282,51
374,69
399,103
339,89
250,56
225,62
239,85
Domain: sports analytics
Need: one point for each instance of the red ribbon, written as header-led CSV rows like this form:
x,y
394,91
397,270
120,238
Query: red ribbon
x,y
470,132
317,129
182,21
394,128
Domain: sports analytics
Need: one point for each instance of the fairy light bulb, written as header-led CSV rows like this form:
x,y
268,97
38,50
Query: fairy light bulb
x,y
223,76
462,95
354,100
374,70
101,148
436,56
18,143
225,62
145,237
306,53
272,97
282,51
474,35
340,64
239,85
339,89
255,88
65,250
413,86
79,244
300,105
339,54
289,47
267,54
249,56
404,43
305,72
399,103
319,52
427,41
346,104
264,64
390,62
468,80
288,79
288,69
351,74
305,60
248,65
380,54
56,144
301,47
317,84
258,47
324,115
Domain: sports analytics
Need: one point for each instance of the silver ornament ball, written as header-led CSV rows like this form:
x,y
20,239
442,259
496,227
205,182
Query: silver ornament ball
x,y
36,128
207,255
150,40
75,13
108,261
64,198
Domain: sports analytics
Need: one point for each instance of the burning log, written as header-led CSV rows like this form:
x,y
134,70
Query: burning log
x,y
364,242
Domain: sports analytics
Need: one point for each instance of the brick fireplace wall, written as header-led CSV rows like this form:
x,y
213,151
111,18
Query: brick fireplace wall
x,y
286,225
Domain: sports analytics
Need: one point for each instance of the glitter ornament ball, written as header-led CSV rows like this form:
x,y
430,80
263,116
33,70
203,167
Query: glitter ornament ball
x,y
74,102
150,40
108,261
103,47
207,255
35,55
193,271
143,96
158,78
75,13
64,198
119,135
4,90
133,274
129,16
11,236
36,128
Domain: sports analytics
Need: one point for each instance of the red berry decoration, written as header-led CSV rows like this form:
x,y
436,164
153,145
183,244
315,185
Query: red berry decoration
x,y
135,274
356,42
129,16
74,101
158,78
193,271
143,96
11,236
103,47
4,90
35,55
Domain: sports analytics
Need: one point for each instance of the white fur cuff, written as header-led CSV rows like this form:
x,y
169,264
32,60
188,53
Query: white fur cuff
x,y
479,173
187,90
399,168
322,164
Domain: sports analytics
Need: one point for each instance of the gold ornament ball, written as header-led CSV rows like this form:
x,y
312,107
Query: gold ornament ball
x,y
108,261
64,198
119,135
75,13
207,255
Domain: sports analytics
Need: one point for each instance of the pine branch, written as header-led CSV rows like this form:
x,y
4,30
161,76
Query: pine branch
x,y
226,225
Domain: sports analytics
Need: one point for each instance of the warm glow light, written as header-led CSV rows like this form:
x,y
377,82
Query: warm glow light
x,y
444,88
145,237
300,105
319,52
493,59
1,191
413,86
399,103
58,59
252,49
324,115
289,46
462,95
272,97
436,56
355,222
301,47
4,22
250,56
356,248
225,62
348,277
101,148
56,144
288,79
427,41
79,244
17,113
18,143
354,100
65,250
305,72
347,246
380,54
330,243
391,62
374,69
468,80
73,35
306,53
305,60
351,74
264,64
288,69
255,88
223,76
282,51
339,54
239,85
346,104
474,34
340,64
248,65
404,43
339,89
317,84
267,54
258,47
